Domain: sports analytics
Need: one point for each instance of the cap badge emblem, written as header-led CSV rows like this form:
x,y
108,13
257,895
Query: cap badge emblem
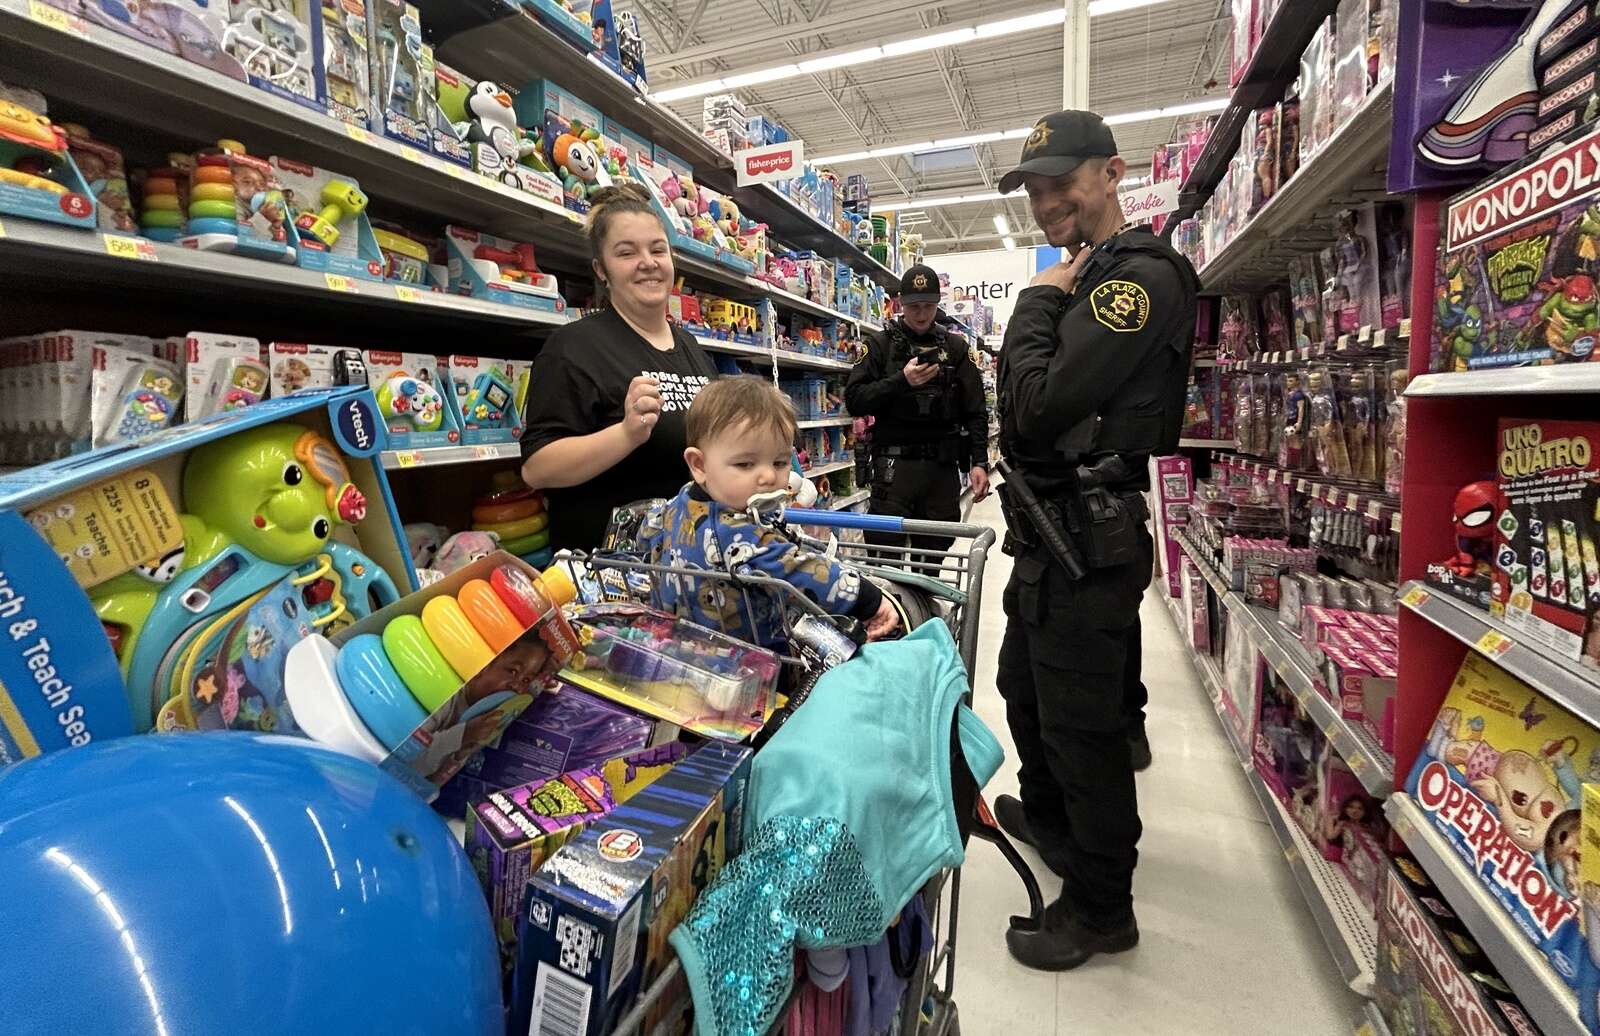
x,y
1037,139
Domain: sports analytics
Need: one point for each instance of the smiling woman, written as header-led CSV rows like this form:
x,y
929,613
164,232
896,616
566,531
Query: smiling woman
x,y
609,393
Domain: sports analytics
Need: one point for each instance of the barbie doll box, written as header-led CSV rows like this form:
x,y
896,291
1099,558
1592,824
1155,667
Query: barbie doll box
x,y
1498,779
1545,565
594,924
1518,261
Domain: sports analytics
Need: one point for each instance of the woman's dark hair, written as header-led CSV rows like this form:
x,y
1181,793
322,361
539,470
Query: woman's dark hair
x,y
605,205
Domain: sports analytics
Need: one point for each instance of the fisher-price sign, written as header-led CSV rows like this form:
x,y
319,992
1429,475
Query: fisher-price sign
x,y
770,163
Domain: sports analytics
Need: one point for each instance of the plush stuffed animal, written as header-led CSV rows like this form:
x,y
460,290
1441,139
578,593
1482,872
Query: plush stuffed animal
x,y
579,165
423,539
463,549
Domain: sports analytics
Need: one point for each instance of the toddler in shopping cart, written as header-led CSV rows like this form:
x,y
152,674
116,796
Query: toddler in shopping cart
x,y
741,431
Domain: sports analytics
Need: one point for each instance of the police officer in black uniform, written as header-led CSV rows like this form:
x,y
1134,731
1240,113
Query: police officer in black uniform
x,y
918,379
1091,385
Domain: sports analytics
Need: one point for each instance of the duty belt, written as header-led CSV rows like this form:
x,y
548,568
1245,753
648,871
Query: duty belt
x,y
917,451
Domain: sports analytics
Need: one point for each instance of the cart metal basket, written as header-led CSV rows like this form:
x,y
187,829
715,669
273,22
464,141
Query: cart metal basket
x,y
938,562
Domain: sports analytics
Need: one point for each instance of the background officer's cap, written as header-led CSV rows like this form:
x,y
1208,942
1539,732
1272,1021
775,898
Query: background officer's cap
x,y
1059,144
920,284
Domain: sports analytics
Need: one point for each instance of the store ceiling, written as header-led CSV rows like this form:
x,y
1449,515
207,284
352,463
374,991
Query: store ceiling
x,y
1149,57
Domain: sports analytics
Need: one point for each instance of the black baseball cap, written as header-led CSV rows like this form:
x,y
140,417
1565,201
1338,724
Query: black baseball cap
x,y
920,284
1059,144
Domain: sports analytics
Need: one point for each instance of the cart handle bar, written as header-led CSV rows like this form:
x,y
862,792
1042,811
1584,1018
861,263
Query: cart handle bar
x,y
884,523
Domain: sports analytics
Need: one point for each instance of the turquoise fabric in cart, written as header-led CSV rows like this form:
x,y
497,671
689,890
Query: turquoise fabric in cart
x,y
849,812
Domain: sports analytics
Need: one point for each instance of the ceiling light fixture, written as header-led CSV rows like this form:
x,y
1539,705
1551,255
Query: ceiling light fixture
x,y
895,48
943,201
1010,243
1206,104
1001,226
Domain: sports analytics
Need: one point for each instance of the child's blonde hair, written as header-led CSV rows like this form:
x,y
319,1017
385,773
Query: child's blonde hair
x,y
741,399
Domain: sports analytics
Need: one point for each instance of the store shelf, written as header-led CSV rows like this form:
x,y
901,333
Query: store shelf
x,y
1205,444
47,253
1360,499
794,225
1568,682
1509,381
1255,256
783,357
1273,66
1544,995
1372,1021
494,40
1201,557
439,456
825,422
1288,658
823,469
1347,924
111,76
861,496
787,299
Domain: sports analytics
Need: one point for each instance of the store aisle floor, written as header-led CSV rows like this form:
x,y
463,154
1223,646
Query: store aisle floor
x,y
1227,945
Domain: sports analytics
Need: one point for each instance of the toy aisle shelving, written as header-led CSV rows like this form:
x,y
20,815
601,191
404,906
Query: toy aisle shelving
x,y
440,456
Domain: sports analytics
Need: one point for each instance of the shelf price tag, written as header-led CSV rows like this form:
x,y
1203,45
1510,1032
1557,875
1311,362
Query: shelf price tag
x,y
483,453
1414,597
1379,336
408,458
1300,485
1357,763
1494,643
2,229
357,134
407,294
1342,343
55,18
339,282
1365,334
130,247
1374,509
1404,330
1352,501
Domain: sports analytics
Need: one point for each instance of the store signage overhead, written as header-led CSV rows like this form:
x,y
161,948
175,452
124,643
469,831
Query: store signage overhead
x,y
771,163
1150,201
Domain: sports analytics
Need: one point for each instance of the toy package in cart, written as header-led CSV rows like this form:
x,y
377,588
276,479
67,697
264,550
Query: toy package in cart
x,y
1515,282
1498,777
1546,568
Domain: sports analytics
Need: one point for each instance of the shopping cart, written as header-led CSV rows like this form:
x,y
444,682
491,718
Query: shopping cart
x,y
928,583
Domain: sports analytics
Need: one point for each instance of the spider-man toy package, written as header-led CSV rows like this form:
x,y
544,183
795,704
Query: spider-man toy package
x,y
1499,779
1546,565
1518,263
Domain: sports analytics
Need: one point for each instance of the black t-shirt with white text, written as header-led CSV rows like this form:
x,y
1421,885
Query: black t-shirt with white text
x,y
578,387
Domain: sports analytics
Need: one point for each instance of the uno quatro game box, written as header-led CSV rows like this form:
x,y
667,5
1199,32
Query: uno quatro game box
x,y
1518,263
1546,567
1499,778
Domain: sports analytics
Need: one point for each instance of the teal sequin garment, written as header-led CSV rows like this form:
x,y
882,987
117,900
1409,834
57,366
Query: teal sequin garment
x,y
800,882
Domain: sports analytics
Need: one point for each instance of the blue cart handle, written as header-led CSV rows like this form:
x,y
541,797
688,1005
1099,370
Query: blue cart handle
x,y
845,520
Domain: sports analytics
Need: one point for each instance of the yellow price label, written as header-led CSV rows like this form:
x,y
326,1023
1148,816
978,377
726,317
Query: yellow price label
x,y
408,458
1342,343
1365,334
1414,597
357,133
1292,854
55,18
407,294
1379,336
1494,643
1374,509
2,228
1357,763
1404,330
411,154
129,247
1352,501
483,453
339,282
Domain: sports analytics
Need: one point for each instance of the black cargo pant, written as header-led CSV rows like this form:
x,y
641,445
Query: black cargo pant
x,y
910,487
1069,671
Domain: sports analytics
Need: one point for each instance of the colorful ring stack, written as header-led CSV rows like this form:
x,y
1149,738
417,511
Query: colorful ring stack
x,y
518,517
161,217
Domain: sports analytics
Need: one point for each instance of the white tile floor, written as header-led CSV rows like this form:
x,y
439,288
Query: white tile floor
x,y
1227,946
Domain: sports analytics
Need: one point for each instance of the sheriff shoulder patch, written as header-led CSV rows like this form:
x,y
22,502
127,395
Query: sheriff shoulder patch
x,y
1121,305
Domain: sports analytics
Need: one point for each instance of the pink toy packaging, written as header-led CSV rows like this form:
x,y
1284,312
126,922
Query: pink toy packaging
x,y
1172,483
1355,270
1345,812
1263,150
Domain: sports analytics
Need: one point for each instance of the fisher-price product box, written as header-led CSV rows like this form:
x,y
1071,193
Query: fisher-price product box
x,y
1514,283
485,396
158,542
415,399
594,925
1545,566
1498,778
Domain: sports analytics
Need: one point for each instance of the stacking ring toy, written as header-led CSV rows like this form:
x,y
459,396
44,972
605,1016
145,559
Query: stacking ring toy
x,y
540,558
213,174
214,226
427,675
527,544
516,530
376,691
212,192
163,202
166,235
527,598
162,219
452,633
507,510
212,161
489,615
157,185
212,210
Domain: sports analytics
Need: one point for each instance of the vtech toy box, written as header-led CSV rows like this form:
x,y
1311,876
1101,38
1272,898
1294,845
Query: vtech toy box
x,y
1498,778
1515,281
1546,567
595,923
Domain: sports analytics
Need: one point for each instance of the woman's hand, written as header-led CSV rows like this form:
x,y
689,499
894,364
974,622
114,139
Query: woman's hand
x,y
883,622
641,409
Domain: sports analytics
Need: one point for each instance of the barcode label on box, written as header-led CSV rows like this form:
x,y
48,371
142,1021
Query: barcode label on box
x,y
560,1004
626,946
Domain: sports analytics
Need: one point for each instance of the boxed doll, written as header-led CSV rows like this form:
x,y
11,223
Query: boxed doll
x,y
1517,262
1355,272
1545,565
1498,778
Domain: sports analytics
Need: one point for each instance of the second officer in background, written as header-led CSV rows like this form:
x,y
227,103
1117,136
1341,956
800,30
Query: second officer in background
x,y
919,382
